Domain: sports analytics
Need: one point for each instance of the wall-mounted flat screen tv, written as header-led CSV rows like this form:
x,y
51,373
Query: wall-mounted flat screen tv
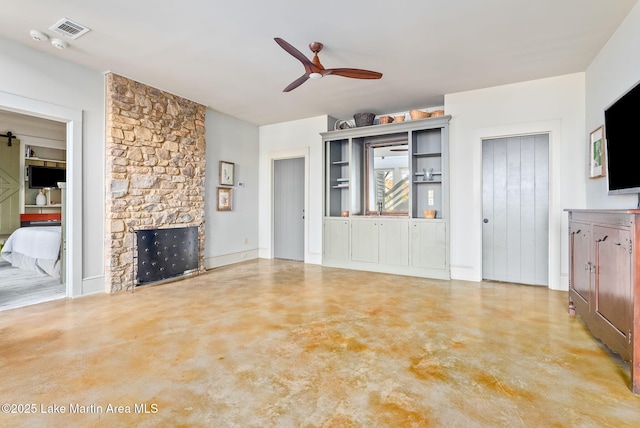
x,y
45,176
623,143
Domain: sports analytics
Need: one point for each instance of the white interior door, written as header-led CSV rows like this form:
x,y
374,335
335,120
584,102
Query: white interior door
x,y
515,209
288,196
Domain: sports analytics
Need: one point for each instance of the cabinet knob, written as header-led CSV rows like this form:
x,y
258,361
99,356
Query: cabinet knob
x,y
486,220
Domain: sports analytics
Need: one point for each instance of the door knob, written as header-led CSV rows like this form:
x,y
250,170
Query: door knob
x,y
486,220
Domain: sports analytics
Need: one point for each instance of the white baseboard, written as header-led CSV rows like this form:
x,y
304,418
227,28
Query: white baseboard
x,y
464,273
229,259
93,285
563,283
264,253
313,258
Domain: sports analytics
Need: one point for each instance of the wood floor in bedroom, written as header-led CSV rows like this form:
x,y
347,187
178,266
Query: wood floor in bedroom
x,y
20,288
270,343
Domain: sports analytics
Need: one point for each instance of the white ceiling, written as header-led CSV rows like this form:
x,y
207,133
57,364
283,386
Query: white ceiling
x,y
222,53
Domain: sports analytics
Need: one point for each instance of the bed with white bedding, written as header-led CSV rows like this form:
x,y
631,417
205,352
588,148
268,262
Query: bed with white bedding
x,y
35,248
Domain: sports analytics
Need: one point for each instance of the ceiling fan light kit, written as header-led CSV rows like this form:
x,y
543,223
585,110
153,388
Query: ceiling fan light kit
x,y
313,69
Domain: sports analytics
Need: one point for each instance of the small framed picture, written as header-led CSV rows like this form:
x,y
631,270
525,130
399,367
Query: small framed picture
x,y
226,173
596,149
224,199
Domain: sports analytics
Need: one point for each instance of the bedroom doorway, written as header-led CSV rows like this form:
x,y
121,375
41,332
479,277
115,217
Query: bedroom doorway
x,y
21,287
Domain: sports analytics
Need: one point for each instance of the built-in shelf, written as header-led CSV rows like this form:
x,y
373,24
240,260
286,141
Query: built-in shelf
x,y
45,160
421,174
41,156
406,244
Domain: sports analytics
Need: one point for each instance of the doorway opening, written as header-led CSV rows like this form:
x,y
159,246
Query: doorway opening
x,y
72,236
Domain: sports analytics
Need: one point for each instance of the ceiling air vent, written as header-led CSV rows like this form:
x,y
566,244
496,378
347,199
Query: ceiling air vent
x,y
68,28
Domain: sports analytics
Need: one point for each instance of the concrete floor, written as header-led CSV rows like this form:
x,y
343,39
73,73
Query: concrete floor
x,y
282,344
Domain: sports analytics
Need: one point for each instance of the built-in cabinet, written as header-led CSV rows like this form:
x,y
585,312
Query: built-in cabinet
x,y
355,236
380,240
41,156
336,238
604,279
429,244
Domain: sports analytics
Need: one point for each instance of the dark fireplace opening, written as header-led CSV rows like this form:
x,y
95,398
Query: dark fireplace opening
x,y
162,254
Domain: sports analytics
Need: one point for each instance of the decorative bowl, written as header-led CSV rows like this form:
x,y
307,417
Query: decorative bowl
x,y
364,119
437,113
419,114
342,124
429,213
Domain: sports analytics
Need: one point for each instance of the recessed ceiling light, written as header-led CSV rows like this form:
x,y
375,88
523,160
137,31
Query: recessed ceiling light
x,y
60,44
38,36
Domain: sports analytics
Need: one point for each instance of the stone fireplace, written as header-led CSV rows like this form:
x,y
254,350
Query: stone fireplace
x,y
155,170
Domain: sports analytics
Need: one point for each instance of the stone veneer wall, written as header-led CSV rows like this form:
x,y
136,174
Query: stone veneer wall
x,y
155,169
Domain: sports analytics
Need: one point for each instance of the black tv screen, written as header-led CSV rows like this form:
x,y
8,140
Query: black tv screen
x,y
623,143
45,176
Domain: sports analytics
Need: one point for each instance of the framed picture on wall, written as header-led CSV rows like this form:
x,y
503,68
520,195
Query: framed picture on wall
x,y
226,173
596,149
224,199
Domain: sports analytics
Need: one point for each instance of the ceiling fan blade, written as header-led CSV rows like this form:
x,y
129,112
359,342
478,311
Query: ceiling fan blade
x,y
354,73
295,53
299,81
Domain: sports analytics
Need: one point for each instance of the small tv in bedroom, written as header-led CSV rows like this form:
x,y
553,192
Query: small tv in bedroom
x,y
41,177
623,143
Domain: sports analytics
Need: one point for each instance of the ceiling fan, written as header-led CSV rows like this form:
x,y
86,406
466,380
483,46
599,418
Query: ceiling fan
x,y
314,70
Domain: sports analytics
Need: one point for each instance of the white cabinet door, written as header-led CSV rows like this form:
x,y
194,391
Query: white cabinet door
x,y
428,244
393,242
336,239
364,241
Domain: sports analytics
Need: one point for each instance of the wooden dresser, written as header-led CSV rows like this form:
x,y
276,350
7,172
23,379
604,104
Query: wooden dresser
x,y
604,279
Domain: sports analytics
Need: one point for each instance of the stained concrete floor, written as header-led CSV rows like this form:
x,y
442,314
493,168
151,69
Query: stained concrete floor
x,y
282,344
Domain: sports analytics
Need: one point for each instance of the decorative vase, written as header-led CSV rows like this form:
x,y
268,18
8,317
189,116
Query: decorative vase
x,y
41,199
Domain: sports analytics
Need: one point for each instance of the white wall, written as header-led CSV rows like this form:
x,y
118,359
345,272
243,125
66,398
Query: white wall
x,y
33,75
39,76
231,236
554,105
300,138
612,73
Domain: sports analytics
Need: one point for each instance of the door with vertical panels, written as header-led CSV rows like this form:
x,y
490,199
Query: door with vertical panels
x,y
288,197
515,209
9,185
